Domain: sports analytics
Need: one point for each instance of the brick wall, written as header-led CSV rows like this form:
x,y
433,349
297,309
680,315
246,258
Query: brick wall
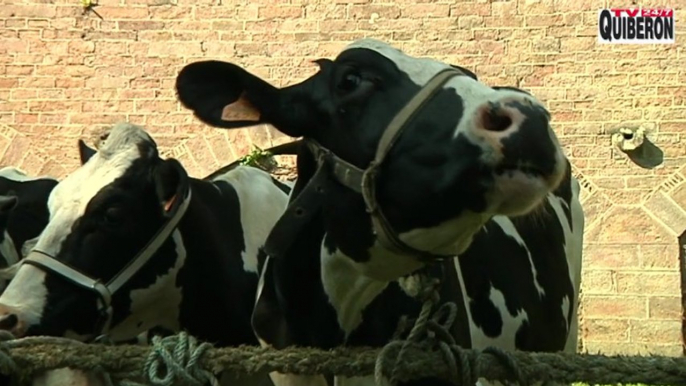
x,y
64,75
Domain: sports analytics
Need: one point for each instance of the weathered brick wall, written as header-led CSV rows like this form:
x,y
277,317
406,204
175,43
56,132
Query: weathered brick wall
x,y
64,74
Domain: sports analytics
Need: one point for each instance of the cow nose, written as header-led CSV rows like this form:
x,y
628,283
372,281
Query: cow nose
x,y
492,116
10,321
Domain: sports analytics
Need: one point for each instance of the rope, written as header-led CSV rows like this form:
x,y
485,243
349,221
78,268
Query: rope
x,y
428,352
7,364
28,357
175,359
431,331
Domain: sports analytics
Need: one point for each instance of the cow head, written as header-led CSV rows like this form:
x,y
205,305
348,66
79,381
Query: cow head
x,y
470,152
101,217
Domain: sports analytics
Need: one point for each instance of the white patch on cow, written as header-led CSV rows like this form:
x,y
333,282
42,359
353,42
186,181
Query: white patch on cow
x,y
512,195
18,175
29,245
511,324
297,380
566,309
574,252
8,251
261,204
509,229
451,237
348,292
67,202
419,70
26,295
156,305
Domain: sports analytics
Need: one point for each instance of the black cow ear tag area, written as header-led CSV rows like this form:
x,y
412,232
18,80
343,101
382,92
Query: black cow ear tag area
x,y
240,110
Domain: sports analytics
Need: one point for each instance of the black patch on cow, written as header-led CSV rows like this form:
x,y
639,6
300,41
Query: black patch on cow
x,y
30,216
119,220
217,294
346,107
293,308
520,147
495,259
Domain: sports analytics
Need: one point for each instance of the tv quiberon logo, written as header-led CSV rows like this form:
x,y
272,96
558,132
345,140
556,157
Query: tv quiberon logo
x,y
636,26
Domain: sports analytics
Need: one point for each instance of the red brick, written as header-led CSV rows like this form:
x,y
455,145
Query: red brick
x,y
366,12
575,44
667,307
648,283
659,256
279,11
535,7
655,332
20,70
602,306
598,282
325,11
426,10
62,106
604,330
32,11
96,118
612,256
122,13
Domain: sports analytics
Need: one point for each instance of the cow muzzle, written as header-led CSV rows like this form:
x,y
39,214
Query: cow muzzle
x,y
11,321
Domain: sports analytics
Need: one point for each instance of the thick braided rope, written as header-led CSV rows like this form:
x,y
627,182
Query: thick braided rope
x,y
7,364
24,359
431,331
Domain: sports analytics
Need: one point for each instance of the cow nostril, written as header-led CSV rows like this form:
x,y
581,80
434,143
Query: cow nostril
x,y
494,118
8,322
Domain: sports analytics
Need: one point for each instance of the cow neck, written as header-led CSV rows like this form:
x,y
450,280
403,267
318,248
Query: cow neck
x,y
311,198
105,291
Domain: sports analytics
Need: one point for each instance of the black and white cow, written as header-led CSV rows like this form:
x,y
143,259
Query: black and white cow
x,y
23,213
477,172
192,244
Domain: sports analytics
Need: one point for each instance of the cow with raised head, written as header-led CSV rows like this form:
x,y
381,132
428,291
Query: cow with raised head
x,y
408,161
23,213
134,243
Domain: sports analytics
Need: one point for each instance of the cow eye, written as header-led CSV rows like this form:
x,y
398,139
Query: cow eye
x,y
350,81
114,215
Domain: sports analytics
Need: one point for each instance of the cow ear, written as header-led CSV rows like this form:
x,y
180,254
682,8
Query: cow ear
x,y
466,71
85,152
169,179
224,95
7,204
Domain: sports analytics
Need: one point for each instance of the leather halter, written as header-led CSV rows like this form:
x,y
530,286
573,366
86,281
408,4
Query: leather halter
x,y
105,291
303,207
